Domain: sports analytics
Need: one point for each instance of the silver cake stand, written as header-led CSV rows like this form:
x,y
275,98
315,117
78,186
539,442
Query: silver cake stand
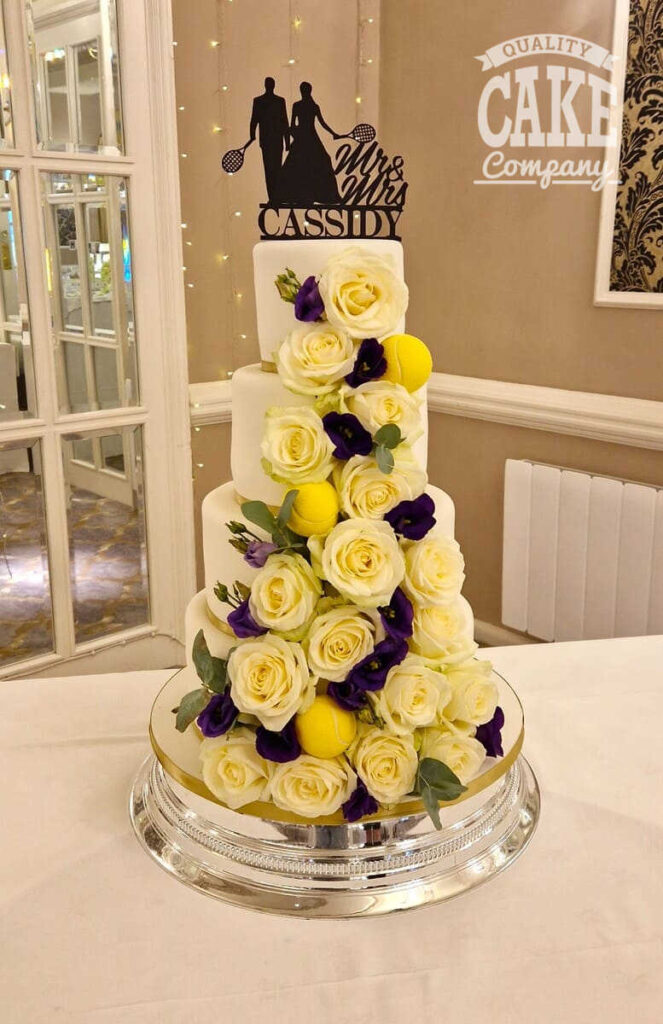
x,y
328,870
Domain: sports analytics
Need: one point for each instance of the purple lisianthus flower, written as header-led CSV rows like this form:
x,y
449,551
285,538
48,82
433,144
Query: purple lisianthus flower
x,y
278,746
347,696
490,734
359,804
397,616
413,519
258,552
242,622
371,672
308,301
347,434
218,716
370,363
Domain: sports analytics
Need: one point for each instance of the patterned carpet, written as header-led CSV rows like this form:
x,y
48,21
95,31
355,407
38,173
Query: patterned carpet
x,y
108,568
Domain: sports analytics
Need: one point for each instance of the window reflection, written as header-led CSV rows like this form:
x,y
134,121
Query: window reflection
x,y
89,251
26,626
75,75
106,524
17,385
6,122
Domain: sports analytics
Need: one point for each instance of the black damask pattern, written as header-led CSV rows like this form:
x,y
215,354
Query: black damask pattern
x,y
637,251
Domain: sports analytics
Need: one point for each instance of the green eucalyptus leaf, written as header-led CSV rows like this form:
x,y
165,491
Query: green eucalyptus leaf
x,y
384,459
388,435
211,671
190,707
439,776
258,513
286,508
430,802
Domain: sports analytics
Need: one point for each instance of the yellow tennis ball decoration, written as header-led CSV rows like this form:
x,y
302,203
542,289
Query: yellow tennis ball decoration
x,y
315,509
325,730
409,361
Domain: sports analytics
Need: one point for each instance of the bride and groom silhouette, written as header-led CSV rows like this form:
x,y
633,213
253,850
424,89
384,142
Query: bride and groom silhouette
x,y
307,175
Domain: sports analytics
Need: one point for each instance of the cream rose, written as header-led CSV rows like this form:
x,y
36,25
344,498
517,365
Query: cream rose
x,y
434,570
474,695
379,402
443,633
295,446
362,294
270,679
284,593
312,786
387,764
463,754
368,493
339,639
361,558
233,770
314,357
412,696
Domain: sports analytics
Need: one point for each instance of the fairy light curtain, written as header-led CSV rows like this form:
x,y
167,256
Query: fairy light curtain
x,y
221,59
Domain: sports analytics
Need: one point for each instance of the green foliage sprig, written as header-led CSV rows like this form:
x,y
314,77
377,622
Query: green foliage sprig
x,y
385,440
435,782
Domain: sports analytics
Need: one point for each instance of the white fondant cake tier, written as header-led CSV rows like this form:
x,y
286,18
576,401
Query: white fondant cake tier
x,y
254,391
306,257
223,563
197,617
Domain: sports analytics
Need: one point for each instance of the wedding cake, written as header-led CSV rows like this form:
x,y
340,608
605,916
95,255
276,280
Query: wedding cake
x,y
336,664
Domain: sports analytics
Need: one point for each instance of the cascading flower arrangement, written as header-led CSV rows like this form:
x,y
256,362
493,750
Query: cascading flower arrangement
x,y
353,684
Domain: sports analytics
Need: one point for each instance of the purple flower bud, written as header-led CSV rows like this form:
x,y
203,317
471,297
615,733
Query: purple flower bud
x,y
413,519
371,672
359,804
308,301
347,696
242,622
258,552
278,746
397,616
370,363
490,734
347,434
216,718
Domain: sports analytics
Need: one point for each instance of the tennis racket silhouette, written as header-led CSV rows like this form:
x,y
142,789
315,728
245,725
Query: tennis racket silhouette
x,y
361,133
232,160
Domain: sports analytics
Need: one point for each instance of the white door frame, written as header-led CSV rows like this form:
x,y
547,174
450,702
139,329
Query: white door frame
x,y
151,168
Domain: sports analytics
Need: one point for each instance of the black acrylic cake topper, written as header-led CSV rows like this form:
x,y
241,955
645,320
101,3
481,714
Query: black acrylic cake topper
x,y
359,193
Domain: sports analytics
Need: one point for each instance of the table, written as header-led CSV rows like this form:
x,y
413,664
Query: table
x,y
94,933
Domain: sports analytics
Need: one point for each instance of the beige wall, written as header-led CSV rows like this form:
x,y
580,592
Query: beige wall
x,y
501,279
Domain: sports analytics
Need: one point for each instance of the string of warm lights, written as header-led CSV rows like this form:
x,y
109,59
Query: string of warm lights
x,y
366,52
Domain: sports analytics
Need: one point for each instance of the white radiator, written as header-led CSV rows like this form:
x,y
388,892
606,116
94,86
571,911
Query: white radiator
x,y
582,554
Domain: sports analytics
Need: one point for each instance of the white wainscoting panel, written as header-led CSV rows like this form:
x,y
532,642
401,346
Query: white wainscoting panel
x,y
583,554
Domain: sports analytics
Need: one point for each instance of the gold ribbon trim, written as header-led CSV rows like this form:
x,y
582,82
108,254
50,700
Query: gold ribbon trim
x,y
268,367
218,623
240,499
263,809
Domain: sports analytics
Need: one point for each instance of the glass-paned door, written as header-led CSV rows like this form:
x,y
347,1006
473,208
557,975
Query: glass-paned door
x,y
94,465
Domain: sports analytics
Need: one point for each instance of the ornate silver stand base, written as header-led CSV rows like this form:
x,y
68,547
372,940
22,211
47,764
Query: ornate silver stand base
x,y
333,871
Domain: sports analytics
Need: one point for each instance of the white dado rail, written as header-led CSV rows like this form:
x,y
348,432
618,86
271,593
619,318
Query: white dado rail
x,y
614,418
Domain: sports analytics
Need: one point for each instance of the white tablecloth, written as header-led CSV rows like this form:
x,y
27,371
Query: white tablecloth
x,y
94,932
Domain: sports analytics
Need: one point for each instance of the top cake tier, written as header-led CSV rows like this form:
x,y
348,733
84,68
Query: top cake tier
x,y
305,257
